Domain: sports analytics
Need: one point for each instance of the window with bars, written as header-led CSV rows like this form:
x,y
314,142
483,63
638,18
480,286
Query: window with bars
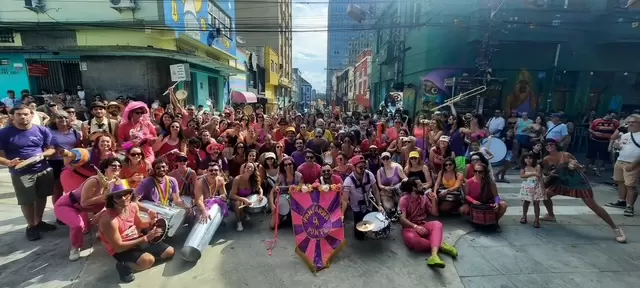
x,y
7,36
218,19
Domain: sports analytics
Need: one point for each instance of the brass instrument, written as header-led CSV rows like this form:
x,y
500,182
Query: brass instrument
x,y
462,96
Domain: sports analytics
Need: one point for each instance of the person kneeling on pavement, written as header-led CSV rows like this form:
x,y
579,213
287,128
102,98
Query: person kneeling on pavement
x,y
120,230
419,234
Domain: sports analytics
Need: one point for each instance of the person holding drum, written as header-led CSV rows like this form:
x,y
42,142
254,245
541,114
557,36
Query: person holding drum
x,y
448,184
287,176
243,186
23,146
358,189
159,187
389,185
209,190
186,178
120,231
72,208
419,234
481,192
565,177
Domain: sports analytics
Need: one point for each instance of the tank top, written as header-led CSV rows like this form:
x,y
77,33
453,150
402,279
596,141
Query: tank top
x,y
448,183
211,188
76,198
295,181
418,174
126,228
389,181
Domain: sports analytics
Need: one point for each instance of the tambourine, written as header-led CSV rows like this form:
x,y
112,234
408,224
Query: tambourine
x,y
29,162
162,225
248,110
181,94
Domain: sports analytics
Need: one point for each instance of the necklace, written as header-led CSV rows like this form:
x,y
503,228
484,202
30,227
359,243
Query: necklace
x,y
164,193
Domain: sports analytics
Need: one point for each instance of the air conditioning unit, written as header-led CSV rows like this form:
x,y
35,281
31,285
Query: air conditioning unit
x,y
34,5
123,4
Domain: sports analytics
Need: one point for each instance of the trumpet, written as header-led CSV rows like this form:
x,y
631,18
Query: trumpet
x,y
462,96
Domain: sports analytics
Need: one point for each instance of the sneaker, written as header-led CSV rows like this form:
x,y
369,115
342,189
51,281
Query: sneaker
x,y
46,227
449,249
125,273
74,254
620,237
239,227
434,261
628,211
618,204
246,217
33,234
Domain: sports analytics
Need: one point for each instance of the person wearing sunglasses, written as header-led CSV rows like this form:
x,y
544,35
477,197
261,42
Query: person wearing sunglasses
x,y
98,123
389,184
420,235
482,190
565,178
476,157
448,187
358,189
416,168
136,129
210,190
159,187
72,208
186,178
287,176
120,229
243,186
134,168
439,152
310,170
328,177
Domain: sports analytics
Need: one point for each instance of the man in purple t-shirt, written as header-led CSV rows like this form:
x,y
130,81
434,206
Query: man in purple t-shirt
x,y
160,188
32,182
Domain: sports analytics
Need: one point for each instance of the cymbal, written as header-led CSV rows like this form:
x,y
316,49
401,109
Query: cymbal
x,y
181,94
365,226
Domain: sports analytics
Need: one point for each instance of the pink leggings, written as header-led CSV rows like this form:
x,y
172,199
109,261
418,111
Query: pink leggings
x,y
423,243
76,219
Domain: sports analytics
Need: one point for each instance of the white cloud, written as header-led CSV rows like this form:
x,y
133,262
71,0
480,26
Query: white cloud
x,y
310,42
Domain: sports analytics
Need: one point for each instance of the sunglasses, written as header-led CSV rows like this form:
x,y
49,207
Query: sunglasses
x,y
71,112
478,171
309,157
288,164
448,164
122,196
115,166
278,147
135,154
182,159
240,147
385,158
413,158
357,152
138,113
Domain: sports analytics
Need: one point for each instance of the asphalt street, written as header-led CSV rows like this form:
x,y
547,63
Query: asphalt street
x,y
577,251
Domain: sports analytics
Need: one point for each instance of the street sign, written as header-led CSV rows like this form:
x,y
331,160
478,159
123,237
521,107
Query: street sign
x,y
180,72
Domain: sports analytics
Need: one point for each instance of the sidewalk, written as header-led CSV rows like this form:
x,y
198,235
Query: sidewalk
x,y
578,251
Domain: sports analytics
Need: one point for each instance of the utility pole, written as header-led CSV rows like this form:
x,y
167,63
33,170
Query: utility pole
x,y
483,62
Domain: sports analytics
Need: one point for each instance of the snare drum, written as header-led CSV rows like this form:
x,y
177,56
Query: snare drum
x,y
483,214
454,196
497,148
161,224
256,205
284,207
381,225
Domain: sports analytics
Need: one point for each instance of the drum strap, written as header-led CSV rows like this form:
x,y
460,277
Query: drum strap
x,y
163,193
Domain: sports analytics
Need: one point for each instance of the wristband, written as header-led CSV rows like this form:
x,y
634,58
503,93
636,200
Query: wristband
x,y
497,199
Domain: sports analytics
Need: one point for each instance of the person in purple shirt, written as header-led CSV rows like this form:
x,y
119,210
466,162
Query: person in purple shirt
x,y
160,188
298,155
32,183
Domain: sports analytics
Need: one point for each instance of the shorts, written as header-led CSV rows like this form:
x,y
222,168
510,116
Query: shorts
x,y
132,255
56,165
524,141
34,186
630,178
598,150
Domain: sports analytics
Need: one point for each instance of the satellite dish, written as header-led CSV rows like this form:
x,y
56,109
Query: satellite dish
x,y
240,40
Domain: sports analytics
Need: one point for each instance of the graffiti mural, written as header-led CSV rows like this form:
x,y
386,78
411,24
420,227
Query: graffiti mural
x,y
523,96
200,20
433,90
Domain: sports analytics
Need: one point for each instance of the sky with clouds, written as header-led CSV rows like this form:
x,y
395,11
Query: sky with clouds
x,y
310,48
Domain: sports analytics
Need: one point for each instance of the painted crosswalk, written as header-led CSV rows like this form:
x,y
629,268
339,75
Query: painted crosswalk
x,y
562,205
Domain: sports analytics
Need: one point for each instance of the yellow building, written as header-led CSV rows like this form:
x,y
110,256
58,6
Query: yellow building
x,y
272,68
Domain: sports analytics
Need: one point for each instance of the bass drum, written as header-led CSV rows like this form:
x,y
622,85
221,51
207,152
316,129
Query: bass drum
x,y
497,148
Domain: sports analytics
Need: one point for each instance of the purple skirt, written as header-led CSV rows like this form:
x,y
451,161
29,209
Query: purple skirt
x,y
224,208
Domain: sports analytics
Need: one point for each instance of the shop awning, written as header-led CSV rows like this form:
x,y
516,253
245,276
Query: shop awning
x,y
243,97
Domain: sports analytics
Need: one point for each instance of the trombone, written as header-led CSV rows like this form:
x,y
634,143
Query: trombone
x,y
462,96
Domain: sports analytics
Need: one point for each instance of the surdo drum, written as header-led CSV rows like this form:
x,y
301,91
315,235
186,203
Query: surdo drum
x,y
497,148
173,216
483,214
201,234
284,207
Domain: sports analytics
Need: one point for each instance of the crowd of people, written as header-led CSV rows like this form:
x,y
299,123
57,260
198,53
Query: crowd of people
x,y
406,168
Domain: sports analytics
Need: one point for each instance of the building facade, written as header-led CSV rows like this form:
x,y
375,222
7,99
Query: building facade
x,y
362,71
295,89
305,92
114,53
542,55
269,23
346,37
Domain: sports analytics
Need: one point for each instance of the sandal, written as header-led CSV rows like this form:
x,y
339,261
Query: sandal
x,y
523,220
536,224
547,218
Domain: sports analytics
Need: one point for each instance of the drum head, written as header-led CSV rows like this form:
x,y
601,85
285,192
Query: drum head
x,y
285,205
253,198
496,147
162,225
374,217
176,221
28,162
365,226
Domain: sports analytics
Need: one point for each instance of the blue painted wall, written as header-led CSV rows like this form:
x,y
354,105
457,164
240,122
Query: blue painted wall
x,y
191,17
202,88
12,77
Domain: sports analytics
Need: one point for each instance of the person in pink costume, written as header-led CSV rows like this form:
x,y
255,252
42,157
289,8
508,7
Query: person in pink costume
x,y
137,129
419,234
73,208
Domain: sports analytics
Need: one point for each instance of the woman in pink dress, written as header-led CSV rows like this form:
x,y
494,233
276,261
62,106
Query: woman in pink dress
x,y
172,140
137,130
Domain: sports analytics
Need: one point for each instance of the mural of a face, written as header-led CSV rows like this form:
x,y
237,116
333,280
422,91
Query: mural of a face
x,y
433,90
522,98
